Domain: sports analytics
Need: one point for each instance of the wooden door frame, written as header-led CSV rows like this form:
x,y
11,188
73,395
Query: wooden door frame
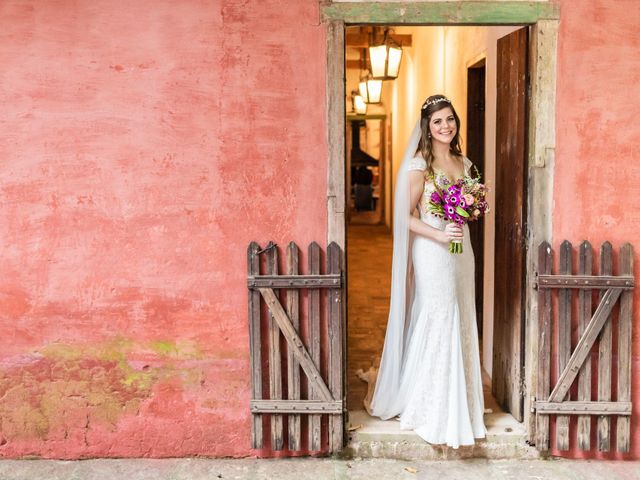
x,y
543,17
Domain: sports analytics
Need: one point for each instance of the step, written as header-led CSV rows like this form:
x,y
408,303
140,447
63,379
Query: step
x,y
370,437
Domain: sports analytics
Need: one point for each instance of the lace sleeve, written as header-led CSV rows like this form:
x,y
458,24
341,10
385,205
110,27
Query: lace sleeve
x,y
467,166
417,163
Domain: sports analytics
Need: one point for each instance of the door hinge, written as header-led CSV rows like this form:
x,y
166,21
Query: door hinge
x,y
532,405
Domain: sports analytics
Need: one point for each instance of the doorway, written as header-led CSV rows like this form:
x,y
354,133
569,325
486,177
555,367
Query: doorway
x,y
463,78
543,18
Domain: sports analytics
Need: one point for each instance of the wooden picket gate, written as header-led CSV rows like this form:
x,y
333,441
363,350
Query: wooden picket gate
x,y
307,406
575,362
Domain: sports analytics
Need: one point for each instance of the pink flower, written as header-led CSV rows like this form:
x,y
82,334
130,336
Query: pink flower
x,y
468,199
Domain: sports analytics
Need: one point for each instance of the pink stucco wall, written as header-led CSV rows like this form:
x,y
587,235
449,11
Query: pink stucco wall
x,y
144,144
597,173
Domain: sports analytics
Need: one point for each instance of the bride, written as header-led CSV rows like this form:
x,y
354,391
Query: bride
x,y
429,373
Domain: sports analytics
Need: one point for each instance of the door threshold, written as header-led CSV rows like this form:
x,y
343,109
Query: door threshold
x,y
370,437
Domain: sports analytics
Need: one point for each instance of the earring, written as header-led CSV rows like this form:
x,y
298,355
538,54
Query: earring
x,y
429,134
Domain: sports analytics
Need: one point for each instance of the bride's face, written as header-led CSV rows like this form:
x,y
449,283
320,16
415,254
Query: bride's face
x,y
443,126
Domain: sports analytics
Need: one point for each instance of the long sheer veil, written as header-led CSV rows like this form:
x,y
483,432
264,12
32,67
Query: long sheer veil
x,y
389,374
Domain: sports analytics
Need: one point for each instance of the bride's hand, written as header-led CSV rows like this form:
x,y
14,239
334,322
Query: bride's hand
x,y
452,232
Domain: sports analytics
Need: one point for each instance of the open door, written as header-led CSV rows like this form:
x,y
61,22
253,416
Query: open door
x,y
511,151
475,151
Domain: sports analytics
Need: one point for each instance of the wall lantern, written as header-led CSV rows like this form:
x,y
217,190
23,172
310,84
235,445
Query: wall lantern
x,y
359,105
370,89
385,58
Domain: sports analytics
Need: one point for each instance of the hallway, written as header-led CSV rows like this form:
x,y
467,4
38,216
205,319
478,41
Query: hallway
x,y
369,283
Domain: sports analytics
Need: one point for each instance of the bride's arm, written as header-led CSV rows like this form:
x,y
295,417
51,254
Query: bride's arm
x,y
416,187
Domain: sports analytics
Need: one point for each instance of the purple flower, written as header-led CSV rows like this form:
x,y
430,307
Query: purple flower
x,y
450,210
454,199
441,181
462,204
453,189
436,198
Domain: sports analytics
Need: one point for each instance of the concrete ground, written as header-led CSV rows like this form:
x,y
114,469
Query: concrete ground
x,y
316,469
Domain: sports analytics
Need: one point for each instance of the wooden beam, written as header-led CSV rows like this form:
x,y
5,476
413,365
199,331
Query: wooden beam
x,y
438,13
361,40
296,406
582,408
586,281
542,137
336,111
295,281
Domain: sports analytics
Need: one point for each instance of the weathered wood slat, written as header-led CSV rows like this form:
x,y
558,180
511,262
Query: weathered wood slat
x,y
585,281
293,367
604,356
625,318
564,340
336,355
313,301
545,260
584,345
584,378
275,362
296,406
255,347
579,408
294,281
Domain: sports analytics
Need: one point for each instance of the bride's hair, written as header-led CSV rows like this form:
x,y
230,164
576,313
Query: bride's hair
x,y
432,105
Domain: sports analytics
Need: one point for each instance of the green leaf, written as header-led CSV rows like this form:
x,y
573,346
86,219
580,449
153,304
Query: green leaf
x,y
461,212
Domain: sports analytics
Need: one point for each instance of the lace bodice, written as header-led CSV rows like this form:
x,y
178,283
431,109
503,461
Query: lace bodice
x,y
419,163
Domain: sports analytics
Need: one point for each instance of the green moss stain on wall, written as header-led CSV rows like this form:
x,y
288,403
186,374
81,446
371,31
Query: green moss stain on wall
x,y
62,388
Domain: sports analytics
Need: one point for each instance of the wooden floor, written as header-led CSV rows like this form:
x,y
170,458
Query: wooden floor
x,y
369,251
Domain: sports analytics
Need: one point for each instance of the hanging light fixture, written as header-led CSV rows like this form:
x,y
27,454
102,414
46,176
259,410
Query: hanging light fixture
x,y
369,87
359,105
385,58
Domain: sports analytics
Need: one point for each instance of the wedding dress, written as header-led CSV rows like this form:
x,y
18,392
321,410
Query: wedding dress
x,y
440,395
430,374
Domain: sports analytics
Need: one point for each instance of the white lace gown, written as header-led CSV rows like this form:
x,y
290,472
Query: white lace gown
x,y
440,395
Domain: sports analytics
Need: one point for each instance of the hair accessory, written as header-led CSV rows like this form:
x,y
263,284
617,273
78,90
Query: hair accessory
x,y
428,103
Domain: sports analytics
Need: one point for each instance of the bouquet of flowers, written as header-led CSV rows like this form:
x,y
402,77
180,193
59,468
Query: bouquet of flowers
x,y
459,202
